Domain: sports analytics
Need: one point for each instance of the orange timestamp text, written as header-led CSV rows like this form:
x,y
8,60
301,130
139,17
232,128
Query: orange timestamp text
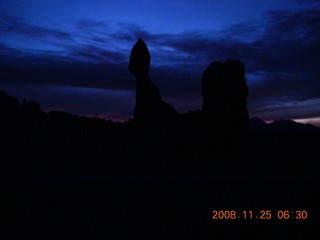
x,y
259,215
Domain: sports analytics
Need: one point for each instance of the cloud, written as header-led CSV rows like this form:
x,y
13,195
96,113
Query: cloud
x,y
280,55
13,25
288,110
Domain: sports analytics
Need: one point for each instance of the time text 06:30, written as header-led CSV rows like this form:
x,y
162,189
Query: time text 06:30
x,y
259,214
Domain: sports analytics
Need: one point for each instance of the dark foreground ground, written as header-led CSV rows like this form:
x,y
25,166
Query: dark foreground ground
x,y
155,208
69,177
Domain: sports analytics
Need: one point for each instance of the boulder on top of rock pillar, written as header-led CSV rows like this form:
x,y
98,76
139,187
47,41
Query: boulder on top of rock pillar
x,y
139,59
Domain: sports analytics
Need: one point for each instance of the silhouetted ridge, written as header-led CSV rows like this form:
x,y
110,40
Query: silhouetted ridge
x,y
62,143
27,112
281,126
225,95
291,126
149,105
31,108
256,124
8,103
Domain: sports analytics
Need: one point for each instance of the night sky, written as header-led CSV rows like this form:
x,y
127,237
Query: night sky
x,y
73,55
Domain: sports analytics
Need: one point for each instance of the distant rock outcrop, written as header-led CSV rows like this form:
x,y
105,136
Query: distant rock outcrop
x,y
225,95
281,126
31,108
289,126
256,124
149,105
8,103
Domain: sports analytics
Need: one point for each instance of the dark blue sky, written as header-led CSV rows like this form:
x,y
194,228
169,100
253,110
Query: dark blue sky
x,y
73,55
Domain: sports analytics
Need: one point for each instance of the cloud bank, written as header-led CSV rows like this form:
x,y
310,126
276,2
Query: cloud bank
x,y
280,55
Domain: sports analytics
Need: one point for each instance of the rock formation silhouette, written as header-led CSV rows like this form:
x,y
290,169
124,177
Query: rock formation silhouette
x,y
8,104
149,105
225,95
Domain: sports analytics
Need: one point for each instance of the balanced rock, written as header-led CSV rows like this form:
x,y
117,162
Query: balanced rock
x,y
149,105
